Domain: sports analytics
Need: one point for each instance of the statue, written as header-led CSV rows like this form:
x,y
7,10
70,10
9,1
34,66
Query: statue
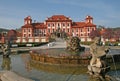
x,y
6,49
98,67
74,45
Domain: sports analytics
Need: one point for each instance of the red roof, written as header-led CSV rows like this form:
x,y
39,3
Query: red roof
x,y
35,25
58,18
90,25
27,26
39,25
82,24
78,24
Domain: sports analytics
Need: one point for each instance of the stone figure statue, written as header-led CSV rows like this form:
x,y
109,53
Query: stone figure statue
x,y
74,45
98,67
6,49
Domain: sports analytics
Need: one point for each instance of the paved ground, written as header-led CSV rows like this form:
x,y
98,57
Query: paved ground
x,y
60,43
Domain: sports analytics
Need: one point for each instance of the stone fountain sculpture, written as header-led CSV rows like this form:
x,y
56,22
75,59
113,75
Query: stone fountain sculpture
x,y
6,49
98,67
6,59
74,45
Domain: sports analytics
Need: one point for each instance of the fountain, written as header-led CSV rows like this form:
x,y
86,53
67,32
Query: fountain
x,y
72,55
6,49
74,45
97,63
63,64
7,74
98,66
6,59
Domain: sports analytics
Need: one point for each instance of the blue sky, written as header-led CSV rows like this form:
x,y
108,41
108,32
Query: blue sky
x,y
104,12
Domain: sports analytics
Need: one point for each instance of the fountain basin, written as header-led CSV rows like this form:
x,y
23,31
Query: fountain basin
x,y
60,56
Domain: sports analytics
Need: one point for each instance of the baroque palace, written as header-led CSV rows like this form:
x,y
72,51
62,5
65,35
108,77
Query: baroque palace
x,y
40,31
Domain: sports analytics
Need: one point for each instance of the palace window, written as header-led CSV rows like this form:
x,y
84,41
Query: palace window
x,y
88,29
24,30
44,34
81,30
88,34
76,30
72,30
39,31
53,25
64,30
68,30
58,24
92,29
63,24
53,30
48,25
44,30
24,35
68,24
49,30
28,30
29,35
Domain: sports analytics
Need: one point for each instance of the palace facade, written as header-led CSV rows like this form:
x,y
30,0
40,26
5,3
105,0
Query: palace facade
x,y
40,31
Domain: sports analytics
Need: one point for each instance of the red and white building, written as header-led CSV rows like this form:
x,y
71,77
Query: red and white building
x,y
39,32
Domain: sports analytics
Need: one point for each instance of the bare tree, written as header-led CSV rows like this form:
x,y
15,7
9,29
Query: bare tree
x,y
94,33
117,34
108,34
11,36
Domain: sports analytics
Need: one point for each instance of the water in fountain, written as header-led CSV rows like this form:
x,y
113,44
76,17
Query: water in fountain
x,y
116,73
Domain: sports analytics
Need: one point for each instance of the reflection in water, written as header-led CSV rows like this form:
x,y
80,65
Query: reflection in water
x,y
52,68
6,62
26,58
49,72
61,69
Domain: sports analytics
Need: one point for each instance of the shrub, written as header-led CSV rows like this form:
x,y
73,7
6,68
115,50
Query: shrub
x,y
86,43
